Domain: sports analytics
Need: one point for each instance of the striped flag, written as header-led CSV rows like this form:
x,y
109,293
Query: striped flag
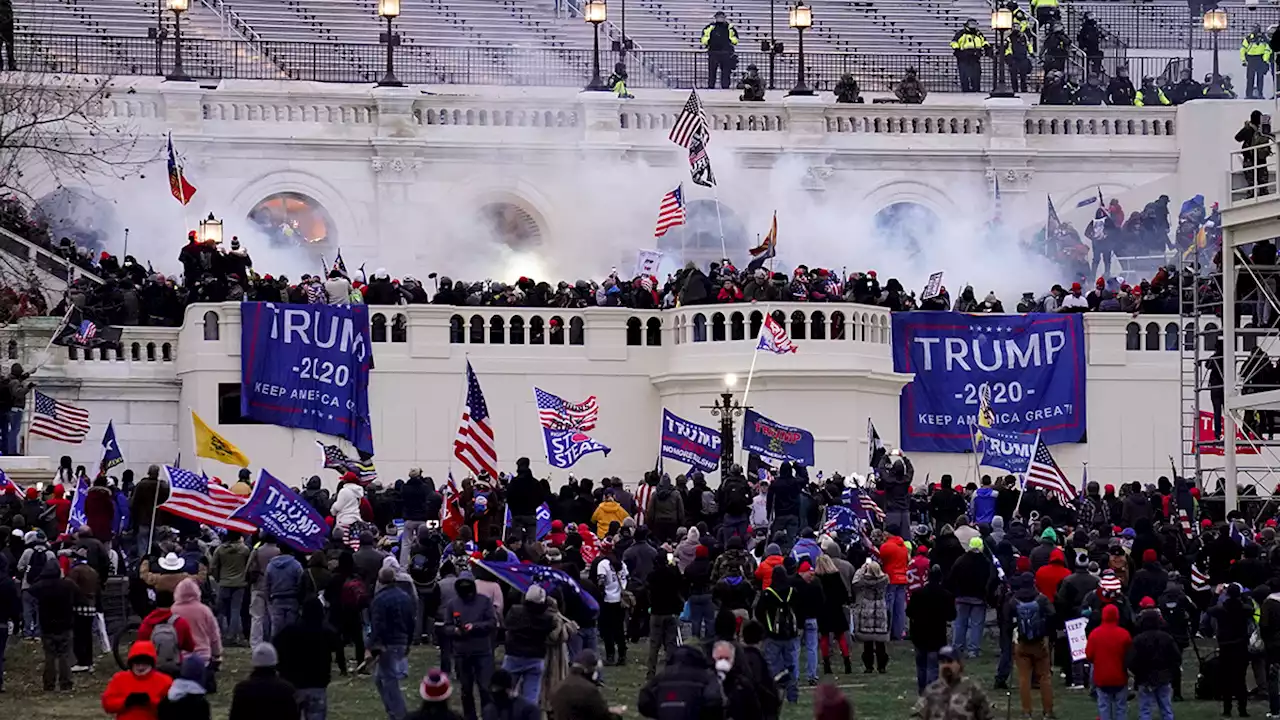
x,y
557,414
1199,580
691,124
335,459
6,485
59,421
866,505
774,338
839,518
86,332
1043,472
1184,521
193,497
671,212
642,495
475,446
178,185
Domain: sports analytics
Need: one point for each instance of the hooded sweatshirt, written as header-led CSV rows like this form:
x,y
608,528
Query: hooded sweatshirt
x,y
346,507
204,626
155,685
1107,649
608,511
1049,577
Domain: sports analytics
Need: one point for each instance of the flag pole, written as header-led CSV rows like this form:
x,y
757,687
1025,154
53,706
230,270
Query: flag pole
x,y
715,191
1023,493
755,354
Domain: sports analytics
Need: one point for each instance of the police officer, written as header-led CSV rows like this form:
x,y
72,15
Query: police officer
x,y
969,46
1056,90
1089,38
1149,94
720,38
1017,55
1057,48
1255,56
1092,92
1185,89
1120,90
1045,11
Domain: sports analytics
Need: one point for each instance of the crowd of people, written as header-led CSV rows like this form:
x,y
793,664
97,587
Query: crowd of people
x,y
746,590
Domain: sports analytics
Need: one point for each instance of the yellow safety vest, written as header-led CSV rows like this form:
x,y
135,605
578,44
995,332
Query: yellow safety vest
x,y
1037,4
969,41
1162,100
1026,39
1255,46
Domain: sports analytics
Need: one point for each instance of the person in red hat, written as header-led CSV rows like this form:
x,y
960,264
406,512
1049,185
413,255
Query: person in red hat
x,y
1075,301
1107,648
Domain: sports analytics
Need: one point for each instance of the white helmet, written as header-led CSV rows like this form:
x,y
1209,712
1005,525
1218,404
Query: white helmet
x,y
896,452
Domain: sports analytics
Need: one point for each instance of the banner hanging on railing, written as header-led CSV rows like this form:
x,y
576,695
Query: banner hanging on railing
x,y
1033,365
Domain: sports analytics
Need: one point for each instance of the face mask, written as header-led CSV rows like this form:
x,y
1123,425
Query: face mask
x,y
723,666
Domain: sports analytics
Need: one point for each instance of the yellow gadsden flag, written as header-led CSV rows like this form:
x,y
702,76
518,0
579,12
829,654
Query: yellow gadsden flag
x,y
215,447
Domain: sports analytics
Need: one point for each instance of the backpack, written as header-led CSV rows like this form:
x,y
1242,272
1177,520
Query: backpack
x,y
783,622
35,565
709,506
354,593
1030,621
664,508
165,638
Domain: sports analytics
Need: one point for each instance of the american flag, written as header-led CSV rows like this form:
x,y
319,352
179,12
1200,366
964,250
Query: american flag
x,y
774,338
85,332
671,212
642,495
1045,474
335,459
868,505
839,518
691,123
1184,521
6,485
557,414
475,445
58,420
193,497
1199,580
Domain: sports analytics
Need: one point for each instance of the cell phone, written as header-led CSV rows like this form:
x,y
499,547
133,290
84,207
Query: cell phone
x,y
433,524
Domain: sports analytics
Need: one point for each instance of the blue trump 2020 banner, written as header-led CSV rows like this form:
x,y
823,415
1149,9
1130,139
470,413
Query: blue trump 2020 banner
x,y
689,442
307,366
1005,449
284,513
1034,366
767,438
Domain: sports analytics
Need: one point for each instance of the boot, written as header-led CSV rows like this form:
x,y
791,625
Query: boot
x,y
826,666
608,657
848,666
622,656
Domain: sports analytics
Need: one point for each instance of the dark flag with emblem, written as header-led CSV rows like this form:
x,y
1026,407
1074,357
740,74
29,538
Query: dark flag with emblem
x,y
700,164
78,331
874,446
335,459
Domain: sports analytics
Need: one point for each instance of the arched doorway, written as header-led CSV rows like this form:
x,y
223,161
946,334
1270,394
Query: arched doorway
x,y
907,225
511,225
292,219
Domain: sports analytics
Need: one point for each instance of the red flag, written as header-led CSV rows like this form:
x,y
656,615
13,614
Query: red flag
x,y
451,519
590,544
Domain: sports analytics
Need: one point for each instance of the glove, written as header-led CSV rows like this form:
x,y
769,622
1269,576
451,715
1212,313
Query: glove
x,y
137,700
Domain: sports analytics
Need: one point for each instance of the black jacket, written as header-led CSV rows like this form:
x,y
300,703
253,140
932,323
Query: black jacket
x,y
306,649
930,610
809,600
56,597
263,696
784,494
686,688
970,576
1150,582
1120,91
187,707
516,708
670,600
946,552
413,498
1231,625
1153,656
524,494
1269,626
579,698
528,626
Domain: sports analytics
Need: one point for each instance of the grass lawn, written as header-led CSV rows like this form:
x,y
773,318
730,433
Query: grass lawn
x,y
876,697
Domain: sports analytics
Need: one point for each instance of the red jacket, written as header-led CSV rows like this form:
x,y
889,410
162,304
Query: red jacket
x,y
1049,577
1107,647
159,616
764,573
893,559
155,685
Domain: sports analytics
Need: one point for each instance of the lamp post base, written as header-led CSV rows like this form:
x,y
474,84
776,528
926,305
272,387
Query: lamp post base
x,y
390,80
1000,92
177,76
802,91
596,85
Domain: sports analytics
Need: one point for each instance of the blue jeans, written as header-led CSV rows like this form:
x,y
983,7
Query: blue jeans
x,y
896,600
283,613
391,667
584,639
474,673
30,615
702,614
926,669
11,428
230,602
1160,696
312,702
527,673
1113,703
811,646
784,655
142,538
966,631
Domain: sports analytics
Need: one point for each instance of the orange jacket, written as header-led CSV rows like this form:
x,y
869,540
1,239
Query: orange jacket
x,y
893,560
155,685
764,573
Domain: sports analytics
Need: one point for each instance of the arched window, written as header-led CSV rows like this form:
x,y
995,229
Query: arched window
x,y
699,328
653,332
757,319
837,325
1133,336
633,331
818,326
537,331
1188,336
798,325
577,333
717,328
1211,337
399,328
1153,336
477,330
166,352
1171,336
737,327
517,330
497,330
211,331
456,334
151,352
779,317
378,328
557,330
135,352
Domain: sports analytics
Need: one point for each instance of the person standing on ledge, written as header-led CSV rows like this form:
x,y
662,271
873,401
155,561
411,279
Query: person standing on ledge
x,y
720,38
970,45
